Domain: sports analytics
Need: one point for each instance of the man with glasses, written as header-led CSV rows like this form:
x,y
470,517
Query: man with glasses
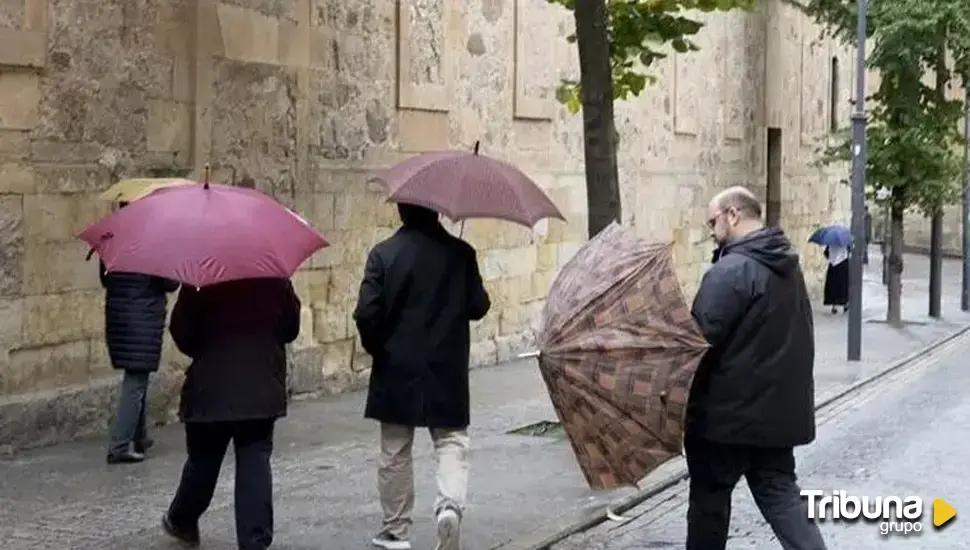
x,y
753,398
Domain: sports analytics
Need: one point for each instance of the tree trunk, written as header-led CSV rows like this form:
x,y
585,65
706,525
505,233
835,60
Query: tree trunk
x,y
894,313
599,134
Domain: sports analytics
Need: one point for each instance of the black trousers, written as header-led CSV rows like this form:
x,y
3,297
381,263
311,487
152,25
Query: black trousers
x,y
716,468
206,443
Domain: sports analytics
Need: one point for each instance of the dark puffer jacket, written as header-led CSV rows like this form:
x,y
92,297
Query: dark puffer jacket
x,y
134,318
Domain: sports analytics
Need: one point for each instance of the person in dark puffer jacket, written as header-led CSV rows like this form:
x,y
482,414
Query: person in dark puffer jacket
x,y
134,322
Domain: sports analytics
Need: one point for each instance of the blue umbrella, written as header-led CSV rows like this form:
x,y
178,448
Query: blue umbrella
x,y
832,235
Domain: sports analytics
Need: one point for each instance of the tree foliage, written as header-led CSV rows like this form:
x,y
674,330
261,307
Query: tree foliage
x,y
640,32
919,51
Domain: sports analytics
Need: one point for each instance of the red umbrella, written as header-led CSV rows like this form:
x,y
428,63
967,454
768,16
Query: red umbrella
x,y
463,185
204,234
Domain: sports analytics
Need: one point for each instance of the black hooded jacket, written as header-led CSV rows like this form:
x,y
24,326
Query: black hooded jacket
x,y
755,386
421,288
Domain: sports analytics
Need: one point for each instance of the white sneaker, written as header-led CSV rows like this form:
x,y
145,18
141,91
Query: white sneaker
x,y
390,542
449,525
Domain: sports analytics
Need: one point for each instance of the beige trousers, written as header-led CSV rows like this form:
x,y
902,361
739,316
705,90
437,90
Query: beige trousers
x,y
395,474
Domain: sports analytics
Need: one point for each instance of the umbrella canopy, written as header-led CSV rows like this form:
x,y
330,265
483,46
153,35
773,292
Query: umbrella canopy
x,y
203,235
130,190
464,185
618,350
832,235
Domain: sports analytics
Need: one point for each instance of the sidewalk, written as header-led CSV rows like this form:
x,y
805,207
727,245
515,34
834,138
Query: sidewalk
x,y
66,497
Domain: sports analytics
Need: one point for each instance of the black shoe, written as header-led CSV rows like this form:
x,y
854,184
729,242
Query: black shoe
x,y
126,457
188,536
143,446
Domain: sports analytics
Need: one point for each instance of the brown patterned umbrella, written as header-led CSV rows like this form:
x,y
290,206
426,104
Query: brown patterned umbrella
x,y
464,185
618,350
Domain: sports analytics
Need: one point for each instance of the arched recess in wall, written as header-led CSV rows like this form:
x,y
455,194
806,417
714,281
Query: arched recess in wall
x,y
834,95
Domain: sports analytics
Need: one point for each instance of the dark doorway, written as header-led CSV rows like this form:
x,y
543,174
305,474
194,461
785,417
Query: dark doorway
x,y
773,181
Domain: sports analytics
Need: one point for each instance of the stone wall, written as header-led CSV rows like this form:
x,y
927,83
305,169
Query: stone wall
x,y
309,97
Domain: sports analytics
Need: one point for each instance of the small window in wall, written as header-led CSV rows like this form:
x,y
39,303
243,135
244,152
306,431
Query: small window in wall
x,y
834,96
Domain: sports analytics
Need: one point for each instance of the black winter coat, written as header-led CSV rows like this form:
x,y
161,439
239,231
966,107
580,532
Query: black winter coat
x,y
236,334
134,318
756,385
421,288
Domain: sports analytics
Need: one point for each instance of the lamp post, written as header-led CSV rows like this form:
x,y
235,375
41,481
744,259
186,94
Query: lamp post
x,y
965,294
859,156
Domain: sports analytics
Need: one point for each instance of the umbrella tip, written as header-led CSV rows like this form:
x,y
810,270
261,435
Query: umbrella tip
x,y
477,144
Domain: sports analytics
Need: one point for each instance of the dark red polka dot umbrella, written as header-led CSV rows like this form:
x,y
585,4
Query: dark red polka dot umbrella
x,y
464,185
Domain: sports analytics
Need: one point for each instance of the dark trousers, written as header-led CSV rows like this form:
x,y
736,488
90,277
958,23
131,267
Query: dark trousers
x,y
715,470
206,443
130,424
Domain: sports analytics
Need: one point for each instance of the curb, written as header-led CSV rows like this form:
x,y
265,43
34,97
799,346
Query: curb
x,y
623,505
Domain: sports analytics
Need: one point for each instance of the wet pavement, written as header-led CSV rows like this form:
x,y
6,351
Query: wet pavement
x,y
66,497
901,439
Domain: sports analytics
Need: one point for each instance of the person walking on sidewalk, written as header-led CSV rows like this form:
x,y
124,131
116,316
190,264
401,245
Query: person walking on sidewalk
x,y
134,325
420,289
836,289
753,397
234,390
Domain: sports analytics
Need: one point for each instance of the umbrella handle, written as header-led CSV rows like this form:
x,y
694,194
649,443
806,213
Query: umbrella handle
x,y
205,184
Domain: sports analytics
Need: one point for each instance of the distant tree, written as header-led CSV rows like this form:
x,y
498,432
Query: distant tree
x,y
913,135
618,42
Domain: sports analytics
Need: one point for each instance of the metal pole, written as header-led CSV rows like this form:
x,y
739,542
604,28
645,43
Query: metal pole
x,y
965,294
859,156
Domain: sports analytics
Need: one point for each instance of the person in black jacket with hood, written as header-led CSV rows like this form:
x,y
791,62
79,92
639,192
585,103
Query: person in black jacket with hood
x,y
753,397
421,288
134,324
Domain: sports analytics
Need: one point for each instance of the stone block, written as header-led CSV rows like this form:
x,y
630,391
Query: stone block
x,y
305,337
23,48
46,367
169,126
69,178
11,245
312,285
345,286
323,212
337,357
11,324
14,145
53,267
63,317
332,324
248,35
513,262
59,217
19,99
483,353
422,131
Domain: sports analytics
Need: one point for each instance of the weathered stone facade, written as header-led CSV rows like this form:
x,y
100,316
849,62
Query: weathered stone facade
x,y
309,97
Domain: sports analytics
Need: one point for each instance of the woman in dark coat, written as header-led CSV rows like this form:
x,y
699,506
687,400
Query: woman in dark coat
x,y
134,324
836,291
234,391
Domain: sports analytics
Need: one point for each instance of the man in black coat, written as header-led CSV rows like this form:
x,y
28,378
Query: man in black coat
x,y
421,288
134,324
234,390
753,398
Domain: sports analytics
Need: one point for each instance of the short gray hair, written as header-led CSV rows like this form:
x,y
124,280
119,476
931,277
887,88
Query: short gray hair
x,y
742,200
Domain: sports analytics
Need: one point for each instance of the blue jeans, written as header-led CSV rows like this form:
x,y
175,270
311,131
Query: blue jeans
x,y
129,425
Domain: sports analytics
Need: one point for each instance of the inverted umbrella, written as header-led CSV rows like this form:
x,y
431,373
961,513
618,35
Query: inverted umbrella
x,y
464,185
618,350
203,234
130,190
832,235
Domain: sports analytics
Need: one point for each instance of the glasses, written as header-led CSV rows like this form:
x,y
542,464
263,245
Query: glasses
x,y
712,221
